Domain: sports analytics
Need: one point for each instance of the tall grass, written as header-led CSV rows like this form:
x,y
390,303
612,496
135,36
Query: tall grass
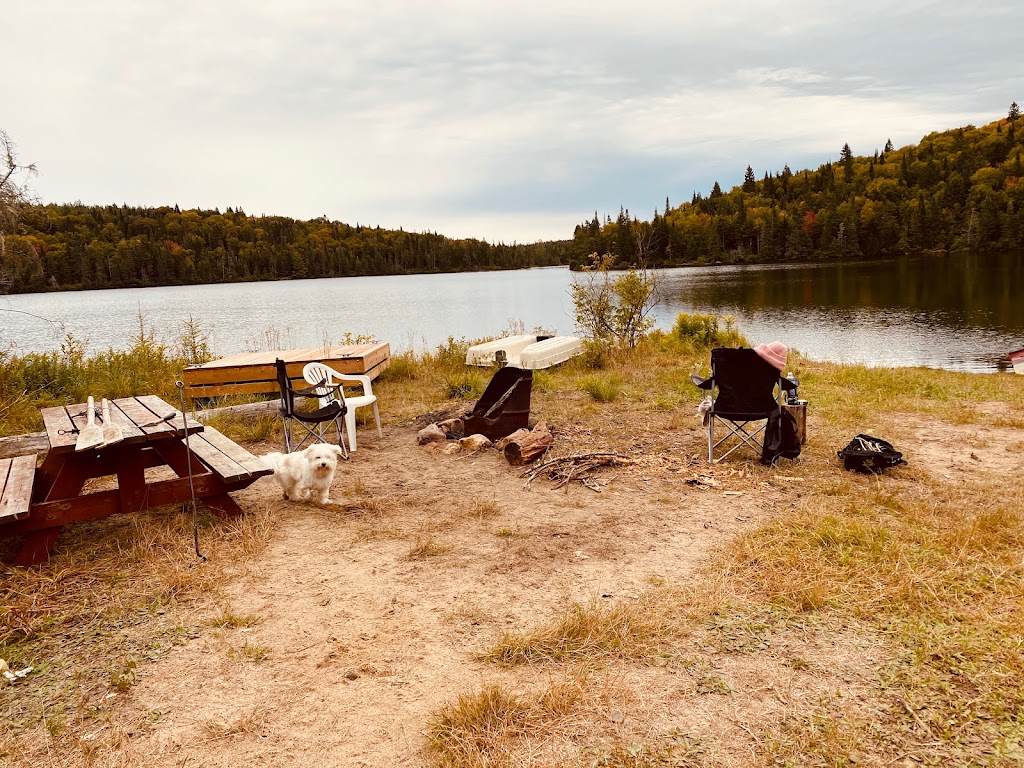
x,y
69,375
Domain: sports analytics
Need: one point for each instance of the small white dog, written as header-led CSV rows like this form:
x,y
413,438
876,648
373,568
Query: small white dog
x,y
308,472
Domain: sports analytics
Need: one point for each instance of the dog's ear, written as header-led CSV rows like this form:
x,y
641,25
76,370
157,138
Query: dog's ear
x,y
338,450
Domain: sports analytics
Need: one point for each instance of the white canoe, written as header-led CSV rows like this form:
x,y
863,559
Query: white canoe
x,y
1017,358
549,352
525,351
511,346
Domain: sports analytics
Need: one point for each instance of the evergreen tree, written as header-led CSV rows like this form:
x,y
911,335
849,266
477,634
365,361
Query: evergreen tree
x,y
888,145
749,183
1014,112
846,158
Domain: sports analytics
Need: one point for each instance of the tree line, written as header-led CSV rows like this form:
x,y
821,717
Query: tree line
x,y
70,247
961,189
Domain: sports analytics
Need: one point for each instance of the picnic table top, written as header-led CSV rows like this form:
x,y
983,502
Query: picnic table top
x,y
141,419
307,354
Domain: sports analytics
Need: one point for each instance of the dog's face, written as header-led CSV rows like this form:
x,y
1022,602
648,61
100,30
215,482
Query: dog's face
x,y
322,458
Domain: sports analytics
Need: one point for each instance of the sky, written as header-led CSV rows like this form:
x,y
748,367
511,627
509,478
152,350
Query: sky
x,y
508,122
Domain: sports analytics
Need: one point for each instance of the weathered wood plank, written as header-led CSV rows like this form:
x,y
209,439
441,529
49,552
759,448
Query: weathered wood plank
x,y
130,432
251,463
20,445
253,373
148,419
16,478
215,459
55,421
36,442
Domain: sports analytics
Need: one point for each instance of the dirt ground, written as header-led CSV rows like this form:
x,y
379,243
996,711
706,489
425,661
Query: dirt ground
x,y
361,619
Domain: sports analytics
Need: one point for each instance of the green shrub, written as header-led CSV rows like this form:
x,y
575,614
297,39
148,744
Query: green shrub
x,y
464,385
604,389
704,331
595,354
453,352
401,367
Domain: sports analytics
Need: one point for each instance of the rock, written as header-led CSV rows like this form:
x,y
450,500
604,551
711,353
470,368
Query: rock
x,y
431,434
500,445
453,428
474,443
451,448
351,675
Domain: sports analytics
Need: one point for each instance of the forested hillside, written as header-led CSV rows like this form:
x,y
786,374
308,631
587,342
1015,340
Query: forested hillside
x,y
960,189
955,190
61,247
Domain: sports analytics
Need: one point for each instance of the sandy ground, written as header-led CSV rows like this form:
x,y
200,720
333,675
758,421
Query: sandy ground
x,y
368,615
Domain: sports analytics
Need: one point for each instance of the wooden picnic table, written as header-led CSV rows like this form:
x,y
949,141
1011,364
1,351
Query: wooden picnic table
x,y
153,436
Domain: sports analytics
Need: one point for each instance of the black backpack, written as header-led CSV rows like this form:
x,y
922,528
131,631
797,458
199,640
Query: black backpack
x,y
869,455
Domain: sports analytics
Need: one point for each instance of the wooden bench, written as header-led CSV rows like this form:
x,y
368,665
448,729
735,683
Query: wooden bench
x,y
17,476
254,372
225,457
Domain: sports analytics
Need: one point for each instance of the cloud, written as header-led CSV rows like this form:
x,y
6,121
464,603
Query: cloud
x,y
504,121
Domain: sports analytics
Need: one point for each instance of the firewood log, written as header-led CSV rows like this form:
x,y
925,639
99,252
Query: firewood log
x,y
529,447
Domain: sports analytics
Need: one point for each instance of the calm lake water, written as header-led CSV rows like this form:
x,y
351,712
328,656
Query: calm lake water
x,y
958,313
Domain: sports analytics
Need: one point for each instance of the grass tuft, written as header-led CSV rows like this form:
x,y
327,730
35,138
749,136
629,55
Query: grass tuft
x,y
483,729
603,389
426,547
591,632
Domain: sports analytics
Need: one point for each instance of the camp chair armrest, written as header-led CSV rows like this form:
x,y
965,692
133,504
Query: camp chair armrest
x,y
321,390
707,383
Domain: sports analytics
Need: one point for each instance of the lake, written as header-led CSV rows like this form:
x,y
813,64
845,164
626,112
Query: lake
x,y
957,313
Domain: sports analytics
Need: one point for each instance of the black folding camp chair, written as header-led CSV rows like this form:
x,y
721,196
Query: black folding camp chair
x,y
745,385
504,406
334,411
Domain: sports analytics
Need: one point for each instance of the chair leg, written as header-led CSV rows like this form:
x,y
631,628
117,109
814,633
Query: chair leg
x,y
341,437
739,429
350,424
376,417
711,438
287,435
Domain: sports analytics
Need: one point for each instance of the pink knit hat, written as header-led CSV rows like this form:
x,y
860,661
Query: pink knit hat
x,y
773,353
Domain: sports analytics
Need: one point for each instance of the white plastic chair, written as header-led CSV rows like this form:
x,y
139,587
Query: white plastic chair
x,y
318,374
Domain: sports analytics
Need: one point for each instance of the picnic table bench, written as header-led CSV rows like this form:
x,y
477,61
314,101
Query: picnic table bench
x,y
250,373
154,435
16,477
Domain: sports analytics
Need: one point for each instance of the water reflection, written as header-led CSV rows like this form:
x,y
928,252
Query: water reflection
x,y
958,313
948,312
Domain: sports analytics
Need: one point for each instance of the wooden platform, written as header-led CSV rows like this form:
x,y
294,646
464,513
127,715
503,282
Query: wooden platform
x,y
253,372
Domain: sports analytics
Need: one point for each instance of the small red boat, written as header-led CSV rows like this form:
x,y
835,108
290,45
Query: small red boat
x,y
1017,358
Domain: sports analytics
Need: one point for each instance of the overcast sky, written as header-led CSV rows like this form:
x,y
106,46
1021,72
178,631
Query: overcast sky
x,y
503,121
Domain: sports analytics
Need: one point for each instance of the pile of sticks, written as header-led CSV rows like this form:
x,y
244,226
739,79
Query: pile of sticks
x,y
578,466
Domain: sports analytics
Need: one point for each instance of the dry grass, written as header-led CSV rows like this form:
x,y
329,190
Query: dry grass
x,y
229,620
930,569
933,568
585,633
487,728
115,595
569,722
252,723
425,547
